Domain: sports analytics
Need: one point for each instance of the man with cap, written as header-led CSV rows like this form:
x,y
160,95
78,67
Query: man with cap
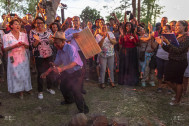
x,y
68,65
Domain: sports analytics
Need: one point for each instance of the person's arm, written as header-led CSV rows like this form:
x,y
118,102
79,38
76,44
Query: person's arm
x,y
101,41
36,41
5,21
168,47
68,35
112,40
136,22
12,47
113,14
121,39
1,44
125,17
17,17
145,39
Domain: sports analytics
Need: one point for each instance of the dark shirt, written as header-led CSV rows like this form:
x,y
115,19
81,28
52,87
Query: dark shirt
x,y
178,53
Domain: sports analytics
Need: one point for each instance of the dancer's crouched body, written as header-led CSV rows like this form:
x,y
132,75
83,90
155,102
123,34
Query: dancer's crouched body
x,y
68,65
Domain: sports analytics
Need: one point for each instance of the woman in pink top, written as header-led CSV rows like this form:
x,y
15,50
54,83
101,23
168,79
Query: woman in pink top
x,y
18,72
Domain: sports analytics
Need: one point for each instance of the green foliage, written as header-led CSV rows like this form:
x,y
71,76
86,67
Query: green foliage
x,y
89,14
119,11
124,4
18,6
119,15
150,10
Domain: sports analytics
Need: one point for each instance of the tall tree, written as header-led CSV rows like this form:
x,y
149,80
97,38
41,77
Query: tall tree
x,y
134,7
20,7
48,8
150,10
89,14
139,3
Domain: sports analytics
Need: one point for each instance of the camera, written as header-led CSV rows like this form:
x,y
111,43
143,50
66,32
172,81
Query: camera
x,y
128,12
12,14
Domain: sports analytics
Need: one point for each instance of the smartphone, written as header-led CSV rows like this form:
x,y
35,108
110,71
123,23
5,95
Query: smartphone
x,y
12,59
12,14
128,12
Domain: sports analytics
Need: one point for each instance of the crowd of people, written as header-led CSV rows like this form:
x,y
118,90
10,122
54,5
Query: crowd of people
x,y
136,52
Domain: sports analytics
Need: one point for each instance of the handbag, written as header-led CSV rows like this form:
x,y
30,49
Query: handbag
x,y
142,54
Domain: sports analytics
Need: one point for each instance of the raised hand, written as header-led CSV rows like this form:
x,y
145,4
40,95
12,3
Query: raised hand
x,y
149,27
43,75
36,37
159,40
76,35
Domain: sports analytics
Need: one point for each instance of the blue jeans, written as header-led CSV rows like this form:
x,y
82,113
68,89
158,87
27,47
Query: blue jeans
x,y
103,62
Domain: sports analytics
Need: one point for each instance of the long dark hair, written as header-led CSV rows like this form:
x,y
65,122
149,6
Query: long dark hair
x,y
184,23
54,23
34,21
124,27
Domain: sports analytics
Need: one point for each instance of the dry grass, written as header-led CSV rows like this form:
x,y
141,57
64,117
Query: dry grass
x,y
141,107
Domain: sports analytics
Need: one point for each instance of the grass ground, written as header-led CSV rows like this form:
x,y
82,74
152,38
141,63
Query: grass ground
x,y
139,106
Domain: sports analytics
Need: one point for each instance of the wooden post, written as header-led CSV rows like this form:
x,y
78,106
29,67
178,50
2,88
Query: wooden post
x,y
134,7
63,6
62,15
139,11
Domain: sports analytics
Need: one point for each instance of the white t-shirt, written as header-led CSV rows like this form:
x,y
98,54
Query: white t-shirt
x,y
107,47
162,54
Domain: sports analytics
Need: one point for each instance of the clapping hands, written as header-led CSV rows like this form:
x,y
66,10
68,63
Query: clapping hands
x,y
36,37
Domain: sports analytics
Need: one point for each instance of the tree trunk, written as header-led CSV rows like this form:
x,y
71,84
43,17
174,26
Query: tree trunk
x,y
50,7
139,11
134,7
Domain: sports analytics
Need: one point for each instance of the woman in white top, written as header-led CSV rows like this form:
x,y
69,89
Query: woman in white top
x,y
106,41
162,60
18,72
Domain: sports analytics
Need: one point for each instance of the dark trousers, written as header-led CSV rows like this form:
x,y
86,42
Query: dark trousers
x,y
42,65
71,89
83,68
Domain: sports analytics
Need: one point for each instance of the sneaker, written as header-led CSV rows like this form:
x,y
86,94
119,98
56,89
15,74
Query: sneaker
x,y
159,90
152,84
51,91
143,84
99,79
169,92
173,98
40,95
174,103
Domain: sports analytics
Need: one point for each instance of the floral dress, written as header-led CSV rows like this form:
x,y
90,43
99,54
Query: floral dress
x,y
18,72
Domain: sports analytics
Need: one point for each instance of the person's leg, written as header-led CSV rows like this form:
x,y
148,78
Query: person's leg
x,y
1,70
161,71
152,77
145,72
179,91
172,85
76,82
49,77
39,72
65,89
83,71
103,62
110,61
185,85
